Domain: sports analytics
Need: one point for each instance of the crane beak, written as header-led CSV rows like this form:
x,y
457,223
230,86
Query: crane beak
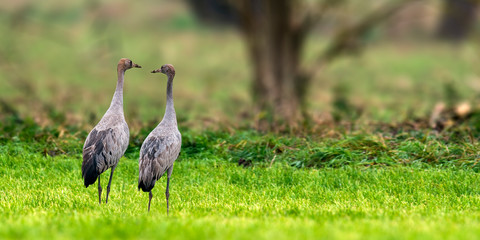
x,y
156,71
136,66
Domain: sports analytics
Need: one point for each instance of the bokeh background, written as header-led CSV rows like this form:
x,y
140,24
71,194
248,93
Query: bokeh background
x,y
58,60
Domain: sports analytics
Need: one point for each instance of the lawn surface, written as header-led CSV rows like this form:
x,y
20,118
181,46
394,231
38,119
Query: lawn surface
x,y
213,198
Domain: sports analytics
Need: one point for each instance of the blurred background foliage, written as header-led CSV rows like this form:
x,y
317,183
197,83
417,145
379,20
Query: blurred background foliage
x,y
58,60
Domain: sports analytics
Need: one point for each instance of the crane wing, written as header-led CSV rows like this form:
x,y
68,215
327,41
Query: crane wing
x,y
158,153
102,149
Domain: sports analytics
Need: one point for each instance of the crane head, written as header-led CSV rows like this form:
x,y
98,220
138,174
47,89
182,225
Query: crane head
x,y
166,69
125,64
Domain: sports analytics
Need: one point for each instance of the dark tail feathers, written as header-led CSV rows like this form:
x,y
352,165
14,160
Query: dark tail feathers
x,y
89,172
146,186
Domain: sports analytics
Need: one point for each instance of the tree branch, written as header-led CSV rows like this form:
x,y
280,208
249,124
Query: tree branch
x,y
313,14
347,39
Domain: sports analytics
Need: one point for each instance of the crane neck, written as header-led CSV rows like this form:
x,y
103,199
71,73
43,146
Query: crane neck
x,y
117,100
170,116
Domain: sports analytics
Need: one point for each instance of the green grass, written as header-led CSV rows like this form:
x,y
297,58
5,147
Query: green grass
x,y
358,179
214,198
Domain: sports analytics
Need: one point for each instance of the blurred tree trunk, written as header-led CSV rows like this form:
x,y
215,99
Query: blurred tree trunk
x,y
275,32
275,42
458,19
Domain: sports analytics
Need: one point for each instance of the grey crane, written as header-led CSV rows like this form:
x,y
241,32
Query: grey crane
x,y
162,146
107,141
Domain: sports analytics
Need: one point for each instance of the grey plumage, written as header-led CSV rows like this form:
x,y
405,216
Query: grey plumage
x,y
108,140
162,146
104,146
157,155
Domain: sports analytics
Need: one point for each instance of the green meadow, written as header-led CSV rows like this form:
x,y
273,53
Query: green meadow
x,y
248,185
42,197
369,165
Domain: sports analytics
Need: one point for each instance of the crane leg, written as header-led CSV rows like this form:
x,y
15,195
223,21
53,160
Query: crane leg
x,y
149,199
109,183
99,191
167,194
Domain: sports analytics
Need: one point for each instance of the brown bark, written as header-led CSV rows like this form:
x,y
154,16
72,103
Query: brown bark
x,y
274,42
275,33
